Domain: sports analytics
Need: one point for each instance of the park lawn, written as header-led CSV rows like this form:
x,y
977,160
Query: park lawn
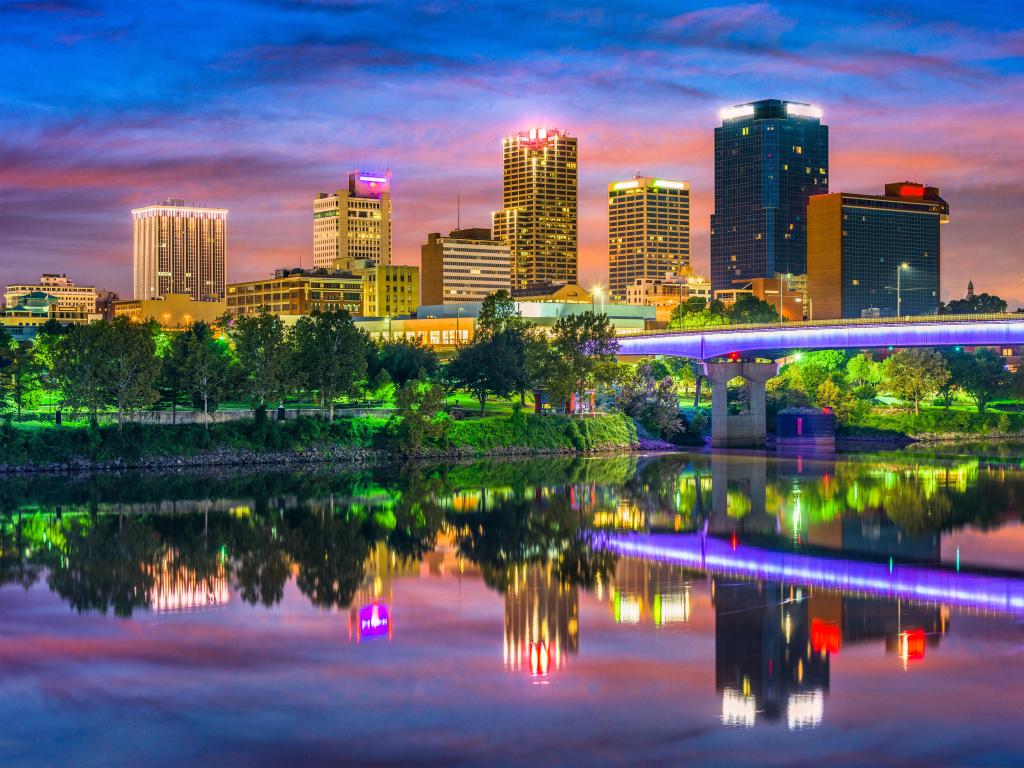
x,y
937,420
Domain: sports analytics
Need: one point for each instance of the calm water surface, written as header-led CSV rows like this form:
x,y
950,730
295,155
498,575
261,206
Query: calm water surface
x,y
670,610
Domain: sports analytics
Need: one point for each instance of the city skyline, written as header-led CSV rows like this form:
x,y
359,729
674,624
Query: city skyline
x,y
901,100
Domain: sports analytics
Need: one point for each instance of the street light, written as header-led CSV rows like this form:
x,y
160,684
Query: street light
x,y
899,288
595,293
786,276
457,316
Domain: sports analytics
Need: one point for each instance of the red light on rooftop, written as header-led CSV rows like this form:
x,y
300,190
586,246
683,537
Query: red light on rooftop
x,y
911,190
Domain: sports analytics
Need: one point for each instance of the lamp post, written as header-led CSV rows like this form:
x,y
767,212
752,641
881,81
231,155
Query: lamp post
x,y
594,294
782,279
458,315
899,289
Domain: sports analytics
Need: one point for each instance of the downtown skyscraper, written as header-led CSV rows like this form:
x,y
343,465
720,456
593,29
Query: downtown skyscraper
x,y
353,224
770,157
179,249
648,232
539,208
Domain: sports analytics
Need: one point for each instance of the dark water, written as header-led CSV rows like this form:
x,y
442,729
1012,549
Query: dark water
x,y
674,610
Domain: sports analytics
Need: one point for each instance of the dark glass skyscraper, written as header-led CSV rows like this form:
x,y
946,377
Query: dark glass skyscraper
x,y
875,256
770,157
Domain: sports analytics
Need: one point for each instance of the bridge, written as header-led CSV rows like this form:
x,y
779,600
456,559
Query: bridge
x,y
923,583
728,352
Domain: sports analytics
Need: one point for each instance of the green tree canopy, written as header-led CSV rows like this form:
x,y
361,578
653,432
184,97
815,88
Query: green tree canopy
x,y
982,303
750,309
499,313
581,355
982,375
403,359
915,373
492,365
330,357
263,353
208,371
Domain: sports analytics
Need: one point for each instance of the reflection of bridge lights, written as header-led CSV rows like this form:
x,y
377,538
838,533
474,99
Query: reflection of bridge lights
x,y
912,644
540,659
738,709
805,710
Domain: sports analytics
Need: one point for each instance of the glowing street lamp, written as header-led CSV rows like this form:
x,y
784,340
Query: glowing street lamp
x,y
597,292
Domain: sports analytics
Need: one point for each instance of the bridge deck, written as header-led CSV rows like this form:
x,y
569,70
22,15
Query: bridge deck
x,y
931,331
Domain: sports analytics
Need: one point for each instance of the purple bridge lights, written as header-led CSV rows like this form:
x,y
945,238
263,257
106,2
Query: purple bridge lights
x,y
745,343
708,344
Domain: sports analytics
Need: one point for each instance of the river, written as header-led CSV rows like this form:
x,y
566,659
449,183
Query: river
x,y
681,609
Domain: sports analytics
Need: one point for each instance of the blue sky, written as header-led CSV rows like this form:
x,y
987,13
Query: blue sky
x,y
257,106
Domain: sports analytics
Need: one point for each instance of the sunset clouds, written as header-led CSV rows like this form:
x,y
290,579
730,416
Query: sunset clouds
x,y
257,106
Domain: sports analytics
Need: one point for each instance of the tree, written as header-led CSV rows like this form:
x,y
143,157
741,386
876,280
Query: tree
x,y
132,365
492,364
79,368
404,360
418,415
982,303
750,309
650,400
696,313
915,373
207,369
21,370
261,347
329,357
498,313
581,355
862,371
982,375
171,382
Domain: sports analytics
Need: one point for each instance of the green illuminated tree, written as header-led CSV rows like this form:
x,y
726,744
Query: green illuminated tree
x,y
262,350
208,370
915,373
581,356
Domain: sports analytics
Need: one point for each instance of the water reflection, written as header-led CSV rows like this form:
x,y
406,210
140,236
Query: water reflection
x,y
794,563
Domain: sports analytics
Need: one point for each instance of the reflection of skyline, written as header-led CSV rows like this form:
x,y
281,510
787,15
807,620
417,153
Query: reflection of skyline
x,y
541,620
642,592
179,588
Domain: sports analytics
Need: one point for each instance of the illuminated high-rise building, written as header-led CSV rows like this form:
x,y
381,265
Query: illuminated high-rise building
x,y
875,255
467,265
539,210
770,157
353,224
179,249
648,231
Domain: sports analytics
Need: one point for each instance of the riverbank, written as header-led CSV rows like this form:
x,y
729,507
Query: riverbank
x,y
360,440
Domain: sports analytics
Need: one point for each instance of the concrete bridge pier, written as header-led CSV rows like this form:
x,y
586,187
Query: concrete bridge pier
x,y
746,430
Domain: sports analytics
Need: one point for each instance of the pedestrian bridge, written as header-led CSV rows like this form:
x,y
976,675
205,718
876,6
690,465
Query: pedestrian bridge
x,y
748,340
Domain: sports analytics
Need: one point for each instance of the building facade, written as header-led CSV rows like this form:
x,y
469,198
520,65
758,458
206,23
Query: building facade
x,y
298,292
875,255
667,293
539,210
770,157
68,295
467,265
180,249
353,224
390,290
648,231
172,311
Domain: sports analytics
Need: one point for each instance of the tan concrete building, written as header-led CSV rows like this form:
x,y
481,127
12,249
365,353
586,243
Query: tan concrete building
x,y
298,292
569,293
69,296
174,311
792,299
467,265
179,249
354,223
539,209
648,231
667,293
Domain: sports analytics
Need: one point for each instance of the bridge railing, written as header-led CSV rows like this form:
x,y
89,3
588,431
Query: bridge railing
x,y
835,323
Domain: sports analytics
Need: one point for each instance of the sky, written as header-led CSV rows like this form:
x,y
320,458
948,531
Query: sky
x,y
258,105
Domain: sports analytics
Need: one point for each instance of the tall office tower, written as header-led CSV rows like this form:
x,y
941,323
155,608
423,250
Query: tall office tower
x,y
353,224
539,209
465,266
180,249
648,231
770,157
875,255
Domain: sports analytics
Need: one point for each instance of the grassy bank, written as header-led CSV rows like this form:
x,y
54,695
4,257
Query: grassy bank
x,y
26,446
936,423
